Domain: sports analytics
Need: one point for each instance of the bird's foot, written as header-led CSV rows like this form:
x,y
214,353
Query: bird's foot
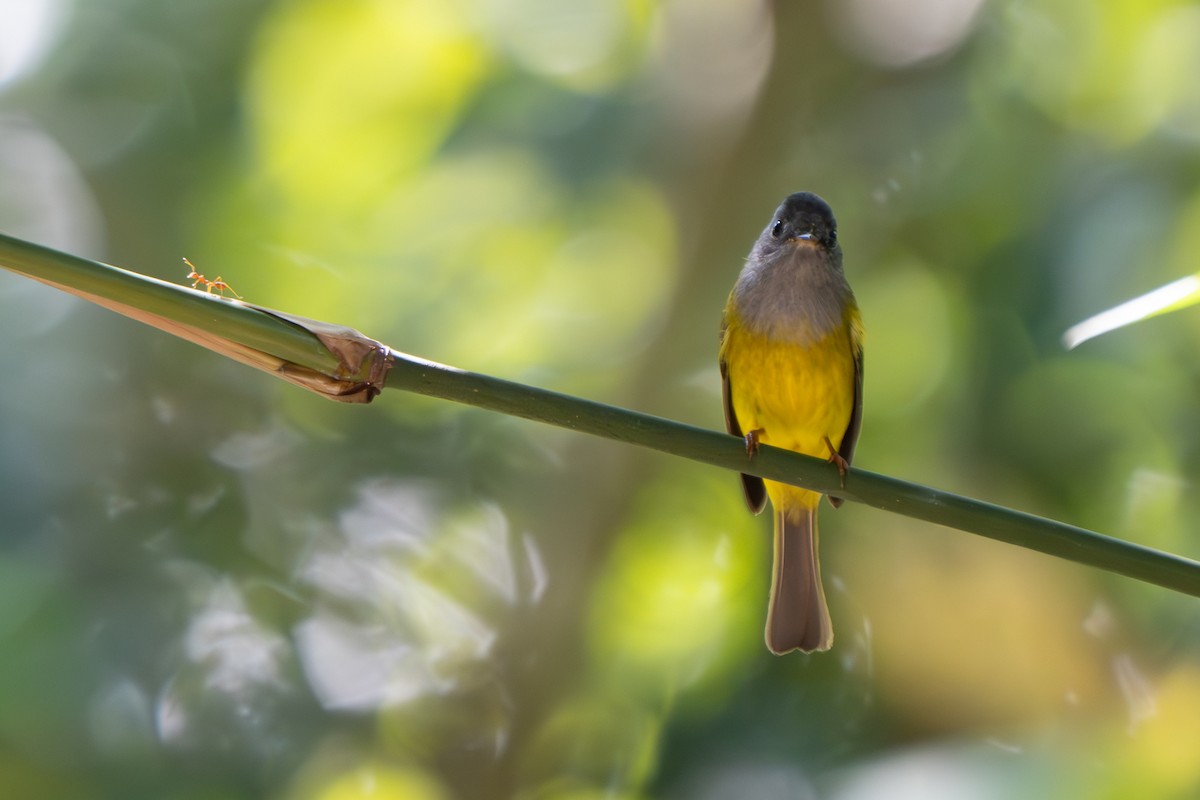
x,y
836,458
752,442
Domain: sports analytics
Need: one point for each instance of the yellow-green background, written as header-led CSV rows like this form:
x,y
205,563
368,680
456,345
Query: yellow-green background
x,y
213,585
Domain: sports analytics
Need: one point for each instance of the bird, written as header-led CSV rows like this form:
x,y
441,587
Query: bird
x,y
791,362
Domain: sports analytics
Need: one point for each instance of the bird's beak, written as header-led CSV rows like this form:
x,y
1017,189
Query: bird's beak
x,y
808,237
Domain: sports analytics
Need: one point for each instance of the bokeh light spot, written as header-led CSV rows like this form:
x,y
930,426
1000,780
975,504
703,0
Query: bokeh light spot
x,y
587,44
377,782
674,602
908,363
341,125
894,34
27,30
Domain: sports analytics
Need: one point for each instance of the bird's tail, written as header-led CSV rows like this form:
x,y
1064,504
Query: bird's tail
x,y
798,618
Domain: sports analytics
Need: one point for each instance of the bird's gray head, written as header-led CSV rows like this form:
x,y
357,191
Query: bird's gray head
x,y
792,287
802,220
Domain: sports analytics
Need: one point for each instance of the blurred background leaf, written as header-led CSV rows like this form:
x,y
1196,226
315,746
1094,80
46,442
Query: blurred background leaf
x,y
1174,296
250,592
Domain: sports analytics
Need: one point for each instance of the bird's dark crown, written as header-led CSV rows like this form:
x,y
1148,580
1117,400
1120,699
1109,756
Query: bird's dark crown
x,y
804,215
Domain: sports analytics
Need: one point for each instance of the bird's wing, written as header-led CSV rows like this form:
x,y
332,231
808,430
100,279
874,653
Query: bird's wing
x,y
752,485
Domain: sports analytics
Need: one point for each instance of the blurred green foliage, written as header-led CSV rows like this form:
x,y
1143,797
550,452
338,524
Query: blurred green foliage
x,y
214,586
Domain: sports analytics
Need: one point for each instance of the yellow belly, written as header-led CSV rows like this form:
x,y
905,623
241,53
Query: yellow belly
x,y
793,395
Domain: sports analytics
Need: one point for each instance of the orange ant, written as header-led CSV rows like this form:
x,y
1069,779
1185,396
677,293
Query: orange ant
x,y
196,278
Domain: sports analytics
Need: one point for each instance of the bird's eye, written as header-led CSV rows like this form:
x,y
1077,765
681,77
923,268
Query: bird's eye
x,y
833,236
777,229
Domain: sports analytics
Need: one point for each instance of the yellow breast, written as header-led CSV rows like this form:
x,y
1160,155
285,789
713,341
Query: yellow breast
x,y
793,395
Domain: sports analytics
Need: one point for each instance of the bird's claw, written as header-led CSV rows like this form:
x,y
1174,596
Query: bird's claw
x,y
752,442
836,458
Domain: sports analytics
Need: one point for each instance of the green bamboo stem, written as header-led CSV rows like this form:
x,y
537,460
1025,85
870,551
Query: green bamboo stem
x,y
721,450
293,343
221,317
